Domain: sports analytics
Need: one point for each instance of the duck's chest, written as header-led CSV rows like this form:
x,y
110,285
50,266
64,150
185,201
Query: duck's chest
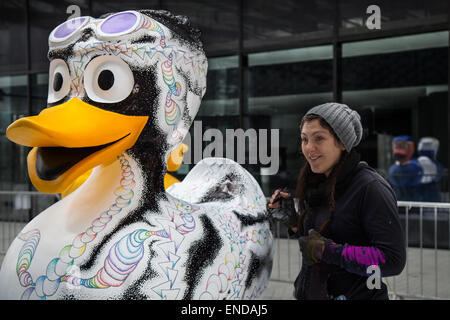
x,y
55,255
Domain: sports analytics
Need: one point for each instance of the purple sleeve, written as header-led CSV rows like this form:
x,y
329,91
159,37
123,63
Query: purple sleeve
x,y
354,259
385,247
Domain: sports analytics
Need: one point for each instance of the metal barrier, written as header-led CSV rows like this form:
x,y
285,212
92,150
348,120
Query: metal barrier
x,y
427,237
17,208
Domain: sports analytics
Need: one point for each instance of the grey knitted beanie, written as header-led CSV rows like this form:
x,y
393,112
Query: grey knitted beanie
x,y
346,123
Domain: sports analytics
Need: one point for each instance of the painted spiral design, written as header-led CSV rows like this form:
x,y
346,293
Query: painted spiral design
x,y
26,254
152,25
122,259
57,269
171,108
189,224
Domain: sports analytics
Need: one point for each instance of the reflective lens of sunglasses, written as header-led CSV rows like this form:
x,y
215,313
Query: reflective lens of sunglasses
x,y
66,29
120,23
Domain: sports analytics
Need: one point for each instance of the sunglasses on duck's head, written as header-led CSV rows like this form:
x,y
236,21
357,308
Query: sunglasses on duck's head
x,y
115,25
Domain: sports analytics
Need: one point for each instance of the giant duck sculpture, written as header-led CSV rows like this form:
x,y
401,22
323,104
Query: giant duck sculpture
x,y
123,92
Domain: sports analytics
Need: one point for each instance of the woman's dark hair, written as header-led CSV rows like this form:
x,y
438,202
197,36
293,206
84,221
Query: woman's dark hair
x,y
306,177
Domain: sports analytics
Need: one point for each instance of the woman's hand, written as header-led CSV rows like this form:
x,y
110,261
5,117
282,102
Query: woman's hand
x,y
312,247
274,201
281,208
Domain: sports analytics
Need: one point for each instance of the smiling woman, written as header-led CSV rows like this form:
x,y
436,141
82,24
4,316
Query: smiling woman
x,y
321,147
347,220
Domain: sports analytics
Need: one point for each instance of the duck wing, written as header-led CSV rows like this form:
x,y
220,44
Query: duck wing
x,y
221,180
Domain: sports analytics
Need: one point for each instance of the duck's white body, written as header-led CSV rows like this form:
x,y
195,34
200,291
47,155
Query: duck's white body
x,y
130,84
73,250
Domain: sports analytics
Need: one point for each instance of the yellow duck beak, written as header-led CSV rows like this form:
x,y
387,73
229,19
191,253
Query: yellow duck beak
x,y
70,139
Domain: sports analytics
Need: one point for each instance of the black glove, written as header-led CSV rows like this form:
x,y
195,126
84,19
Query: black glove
x,y
312,247
286,212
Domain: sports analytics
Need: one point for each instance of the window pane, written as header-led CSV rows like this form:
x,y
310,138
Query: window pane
x,y
13,105
39,85
222,92
13,42
282,86
400,87
395,15
217,20
218,111
39,92
277,23
102,7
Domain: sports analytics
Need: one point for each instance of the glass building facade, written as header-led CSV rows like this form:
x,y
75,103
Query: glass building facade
x,y
269,62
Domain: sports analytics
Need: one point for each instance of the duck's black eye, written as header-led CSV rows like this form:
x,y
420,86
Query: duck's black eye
x,y
105,80
57,82
108,79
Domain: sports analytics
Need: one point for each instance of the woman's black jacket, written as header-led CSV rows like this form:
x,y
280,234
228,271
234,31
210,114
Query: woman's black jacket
x,y
364,231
